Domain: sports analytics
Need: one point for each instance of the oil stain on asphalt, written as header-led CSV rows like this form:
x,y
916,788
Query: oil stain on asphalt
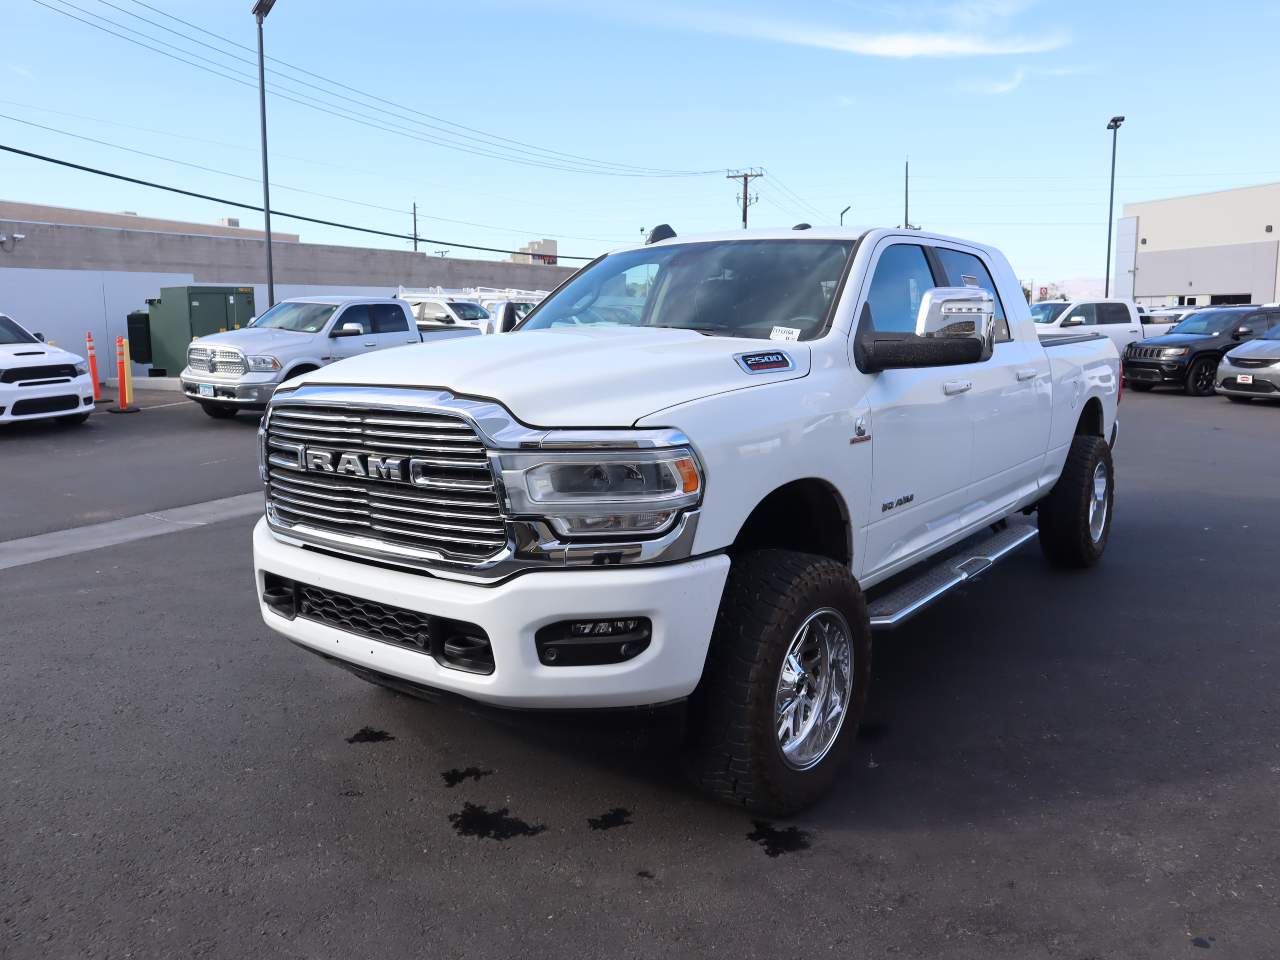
x,y
617,817
369,735
777,842
475,820
455,776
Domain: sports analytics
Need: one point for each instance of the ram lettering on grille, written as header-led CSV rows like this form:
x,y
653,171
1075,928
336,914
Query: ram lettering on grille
x,y
413,480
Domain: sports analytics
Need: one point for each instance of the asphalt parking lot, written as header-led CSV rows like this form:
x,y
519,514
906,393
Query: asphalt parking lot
x,y
1053,765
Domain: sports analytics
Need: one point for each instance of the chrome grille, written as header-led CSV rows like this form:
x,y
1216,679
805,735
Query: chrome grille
x,y
450,509
1136,352
216,360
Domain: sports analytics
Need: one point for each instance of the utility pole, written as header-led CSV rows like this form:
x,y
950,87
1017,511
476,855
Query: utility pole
x,y
1114,126
260,10
906,195
415,226
746,176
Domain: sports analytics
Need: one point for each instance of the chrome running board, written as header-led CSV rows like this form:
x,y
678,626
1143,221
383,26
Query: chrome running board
x,y
962,563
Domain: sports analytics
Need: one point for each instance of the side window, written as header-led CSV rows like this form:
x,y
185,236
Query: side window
x,y
902,276
1085,313
960,265
356,313
388,318
1112,313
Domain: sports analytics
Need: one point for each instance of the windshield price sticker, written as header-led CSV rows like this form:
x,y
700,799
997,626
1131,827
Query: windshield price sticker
x,y
784,333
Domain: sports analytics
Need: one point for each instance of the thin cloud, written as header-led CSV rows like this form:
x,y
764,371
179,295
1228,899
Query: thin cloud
x,y
895,45
996,88
20,70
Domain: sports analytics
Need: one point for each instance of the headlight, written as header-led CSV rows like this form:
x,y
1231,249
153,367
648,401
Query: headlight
x,y
603,493
263,364
1173,352
82,369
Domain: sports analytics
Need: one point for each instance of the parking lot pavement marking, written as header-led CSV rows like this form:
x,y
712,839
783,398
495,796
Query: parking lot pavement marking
x,y
63,543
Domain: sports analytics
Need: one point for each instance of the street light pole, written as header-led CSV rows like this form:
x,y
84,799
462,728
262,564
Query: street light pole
x,y
260,10
1114,127
843,212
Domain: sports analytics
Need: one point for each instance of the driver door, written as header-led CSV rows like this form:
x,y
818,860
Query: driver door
x,y
921,421
341,347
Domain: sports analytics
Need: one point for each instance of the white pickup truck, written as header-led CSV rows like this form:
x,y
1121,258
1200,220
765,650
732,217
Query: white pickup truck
x,y
766,446
240,369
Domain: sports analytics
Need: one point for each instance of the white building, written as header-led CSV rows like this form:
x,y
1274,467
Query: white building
x,y
1208,248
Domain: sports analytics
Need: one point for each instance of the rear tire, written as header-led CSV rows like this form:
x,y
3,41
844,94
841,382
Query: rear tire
x,y
73,419
780,611
1200,377
1140,387
219,411
1075,518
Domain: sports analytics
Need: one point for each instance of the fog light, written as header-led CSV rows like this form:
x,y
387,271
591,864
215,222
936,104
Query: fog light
x,y
579,643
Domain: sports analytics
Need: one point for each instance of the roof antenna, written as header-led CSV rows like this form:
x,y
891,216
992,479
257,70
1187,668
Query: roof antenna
x,y
803,226
659,233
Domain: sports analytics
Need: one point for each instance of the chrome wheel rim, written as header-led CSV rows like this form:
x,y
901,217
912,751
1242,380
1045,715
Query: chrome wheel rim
x,y
813,689
1098,503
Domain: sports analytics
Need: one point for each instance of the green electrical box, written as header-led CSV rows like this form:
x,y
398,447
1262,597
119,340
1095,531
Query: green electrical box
x,y
182,314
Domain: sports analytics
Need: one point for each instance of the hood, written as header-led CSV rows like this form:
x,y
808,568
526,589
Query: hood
x,y
1175,339
34,355
583,377
253,340
1257,350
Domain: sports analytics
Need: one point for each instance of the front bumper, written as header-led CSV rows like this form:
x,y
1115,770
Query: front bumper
x,y
1266,381
249,390
69,396
1156,371
680,599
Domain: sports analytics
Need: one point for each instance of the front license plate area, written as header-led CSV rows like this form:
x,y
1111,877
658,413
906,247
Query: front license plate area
x,y
1245,378
206,389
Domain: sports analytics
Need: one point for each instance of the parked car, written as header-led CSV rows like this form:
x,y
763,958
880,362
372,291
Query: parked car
x,y
38,380
1160,320
1252,369
240,369
434,313
1117,319
1188,356
506,314
706,501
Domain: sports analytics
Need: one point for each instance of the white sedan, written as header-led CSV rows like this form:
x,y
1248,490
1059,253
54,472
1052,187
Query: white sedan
x,y
38,380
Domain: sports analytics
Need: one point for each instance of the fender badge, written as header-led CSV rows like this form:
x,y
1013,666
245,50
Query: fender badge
x,y
767,361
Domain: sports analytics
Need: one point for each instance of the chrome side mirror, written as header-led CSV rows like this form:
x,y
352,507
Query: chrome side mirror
x,y
966,313
348,330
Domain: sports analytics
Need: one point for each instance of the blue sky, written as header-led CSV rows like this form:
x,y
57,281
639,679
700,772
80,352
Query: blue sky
x,y
1000,104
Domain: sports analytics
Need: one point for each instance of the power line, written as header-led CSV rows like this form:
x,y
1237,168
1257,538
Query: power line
x,y
795,196
489,150
284,186
429,116
250,206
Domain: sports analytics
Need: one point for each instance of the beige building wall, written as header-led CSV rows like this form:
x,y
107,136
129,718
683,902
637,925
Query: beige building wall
x,y
1226,242
40,213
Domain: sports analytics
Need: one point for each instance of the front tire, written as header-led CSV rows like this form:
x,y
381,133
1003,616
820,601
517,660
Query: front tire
x,y
775,717
1200,377
1075,518
219,411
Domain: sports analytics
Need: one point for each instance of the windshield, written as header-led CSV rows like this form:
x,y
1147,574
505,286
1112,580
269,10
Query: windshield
x,y
1045,312
10,332
468,311
297,317
1211,322
760,289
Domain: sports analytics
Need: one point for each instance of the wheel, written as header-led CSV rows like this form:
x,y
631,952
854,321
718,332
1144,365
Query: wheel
x,y
774,719
1200,377
1235,399
219,411
1140,387
1075,518
73,419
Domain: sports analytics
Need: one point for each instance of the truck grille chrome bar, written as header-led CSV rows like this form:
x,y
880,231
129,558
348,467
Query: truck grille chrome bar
x,y
216,360
420,481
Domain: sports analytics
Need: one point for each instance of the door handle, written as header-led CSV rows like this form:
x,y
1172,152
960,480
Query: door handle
x,y
370,343
953,387
1027,374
